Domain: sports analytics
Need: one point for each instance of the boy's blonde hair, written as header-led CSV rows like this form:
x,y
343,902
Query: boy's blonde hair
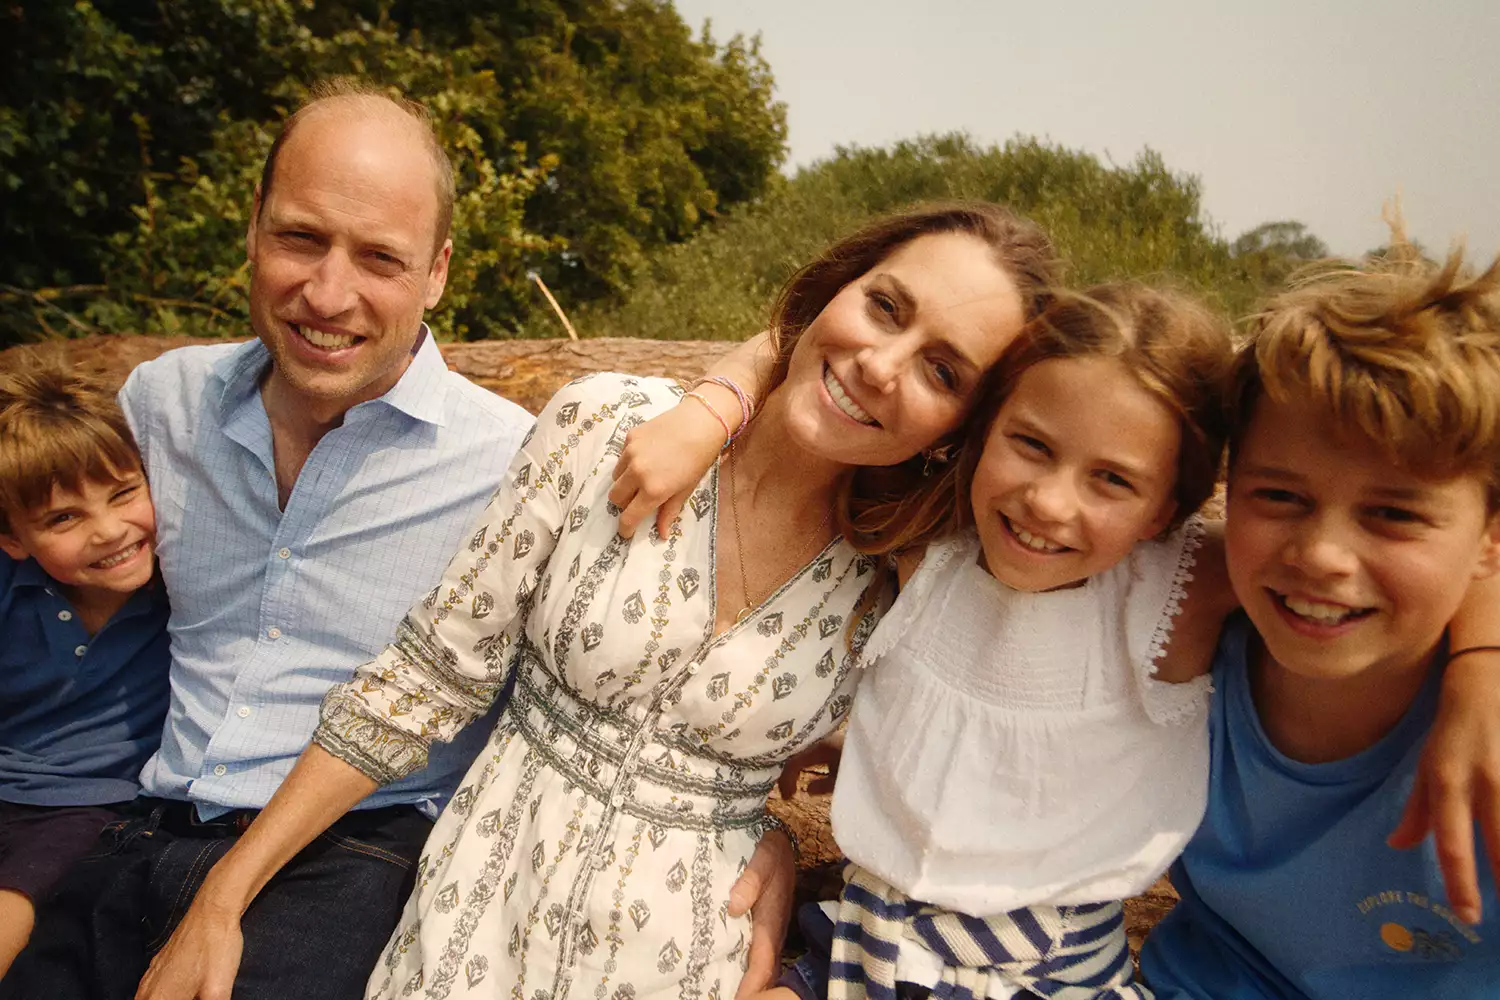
x,y
1396,348
58,427
1176,348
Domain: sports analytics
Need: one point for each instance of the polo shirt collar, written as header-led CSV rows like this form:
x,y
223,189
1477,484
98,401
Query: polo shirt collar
x,y
418,393
29,573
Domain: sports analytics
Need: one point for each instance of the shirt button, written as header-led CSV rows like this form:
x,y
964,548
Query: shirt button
x,y
273,632
80,650
284,553
65,615
692,668
220,770
243,711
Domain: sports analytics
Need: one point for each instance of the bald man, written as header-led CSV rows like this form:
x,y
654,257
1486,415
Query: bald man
x,y
309,486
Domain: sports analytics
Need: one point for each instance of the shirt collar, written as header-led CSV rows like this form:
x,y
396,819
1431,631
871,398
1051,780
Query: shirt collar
x,y
418,393
28,573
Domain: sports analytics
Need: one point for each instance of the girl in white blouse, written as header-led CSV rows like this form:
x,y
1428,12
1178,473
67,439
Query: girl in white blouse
x,y
1019,761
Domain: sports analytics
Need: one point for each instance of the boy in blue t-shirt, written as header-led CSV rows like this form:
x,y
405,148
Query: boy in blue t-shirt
x,y
1364,487
84,660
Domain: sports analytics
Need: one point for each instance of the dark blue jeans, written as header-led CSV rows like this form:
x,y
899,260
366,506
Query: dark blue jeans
x,y
315,931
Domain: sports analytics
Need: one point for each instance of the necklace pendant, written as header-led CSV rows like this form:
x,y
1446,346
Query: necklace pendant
x,y
744,613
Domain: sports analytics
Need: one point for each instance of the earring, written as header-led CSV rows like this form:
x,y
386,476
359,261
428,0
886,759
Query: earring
x,y
935,456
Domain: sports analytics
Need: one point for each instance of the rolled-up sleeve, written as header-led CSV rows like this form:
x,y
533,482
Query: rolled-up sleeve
x,y
450,658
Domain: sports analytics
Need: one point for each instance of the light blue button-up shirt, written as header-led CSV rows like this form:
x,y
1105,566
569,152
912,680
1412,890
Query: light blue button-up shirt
x,y
271,608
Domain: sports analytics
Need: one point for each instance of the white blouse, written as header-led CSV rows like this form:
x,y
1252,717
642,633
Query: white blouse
x,y
1012,749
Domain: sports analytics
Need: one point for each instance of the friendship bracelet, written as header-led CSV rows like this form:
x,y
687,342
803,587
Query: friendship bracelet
x,y
747,402
1472,649
747,405
728,437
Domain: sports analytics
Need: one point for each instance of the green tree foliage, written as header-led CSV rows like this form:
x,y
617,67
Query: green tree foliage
x,y
1138,220
1269,253
586,133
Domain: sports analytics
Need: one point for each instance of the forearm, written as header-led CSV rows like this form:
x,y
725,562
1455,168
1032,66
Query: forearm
x,y
750,366
320,789
1477,622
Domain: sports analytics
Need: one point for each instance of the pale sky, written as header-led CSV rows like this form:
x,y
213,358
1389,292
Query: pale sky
x,y
1315,110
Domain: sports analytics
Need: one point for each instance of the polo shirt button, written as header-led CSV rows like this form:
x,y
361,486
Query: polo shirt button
x,y
65,615
284,553
273,632
80,650
243,711
220,770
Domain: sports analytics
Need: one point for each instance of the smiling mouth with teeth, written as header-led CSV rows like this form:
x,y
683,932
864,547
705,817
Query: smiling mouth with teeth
x,y
841,399
1320,612
327,341
1035,543
110,562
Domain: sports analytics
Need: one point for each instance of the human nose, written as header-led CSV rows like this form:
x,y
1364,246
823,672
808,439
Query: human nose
x,y
1321,548
330,287
108,527
881,365
1051,497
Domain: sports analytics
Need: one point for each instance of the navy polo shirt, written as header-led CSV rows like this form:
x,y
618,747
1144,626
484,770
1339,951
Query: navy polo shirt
x,y
79,714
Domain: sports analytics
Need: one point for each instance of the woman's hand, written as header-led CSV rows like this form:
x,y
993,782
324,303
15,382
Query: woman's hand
x,y
202,957
1458,780
664,458
765,888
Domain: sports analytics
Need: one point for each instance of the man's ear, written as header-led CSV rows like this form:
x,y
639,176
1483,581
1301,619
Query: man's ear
x,y
254,221
1489,550
11,546
437,277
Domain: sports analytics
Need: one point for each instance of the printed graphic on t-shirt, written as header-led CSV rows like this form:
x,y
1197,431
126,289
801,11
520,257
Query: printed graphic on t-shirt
x,y
1414,925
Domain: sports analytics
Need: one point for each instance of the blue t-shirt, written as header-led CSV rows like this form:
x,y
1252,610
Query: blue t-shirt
x,y
1288,888
79,714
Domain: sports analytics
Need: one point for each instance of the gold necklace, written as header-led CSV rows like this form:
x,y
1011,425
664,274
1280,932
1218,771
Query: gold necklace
x,y
739,545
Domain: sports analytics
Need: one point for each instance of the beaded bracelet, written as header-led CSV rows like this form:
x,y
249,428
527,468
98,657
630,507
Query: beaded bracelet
x,y
728,436
747,406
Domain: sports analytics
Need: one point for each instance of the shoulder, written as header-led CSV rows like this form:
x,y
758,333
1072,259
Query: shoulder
x,y
188,365
488,410
607,402
177,380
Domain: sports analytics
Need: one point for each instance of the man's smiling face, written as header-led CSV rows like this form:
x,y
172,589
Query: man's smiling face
x,y
343,253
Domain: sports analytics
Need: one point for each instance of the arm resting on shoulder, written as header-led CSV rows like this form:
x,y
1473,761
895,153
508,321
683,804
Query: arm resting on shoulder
x,y
1458,780
664,458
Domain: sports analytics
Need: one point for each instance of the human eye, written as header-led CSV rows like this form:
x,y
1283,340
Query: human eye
x,y
125,492
1113,480
1028,443
383,260
60,519
300,239
946,374
881,303
1277,497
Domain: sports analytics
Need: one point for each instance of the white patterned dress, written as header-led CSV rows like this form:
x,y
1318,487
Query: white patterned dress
x,y
590,849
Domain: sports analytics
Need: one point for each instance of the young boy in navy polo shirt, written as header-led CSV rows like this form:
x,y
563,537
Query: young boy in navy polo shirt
x,y
83,659
1363,503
